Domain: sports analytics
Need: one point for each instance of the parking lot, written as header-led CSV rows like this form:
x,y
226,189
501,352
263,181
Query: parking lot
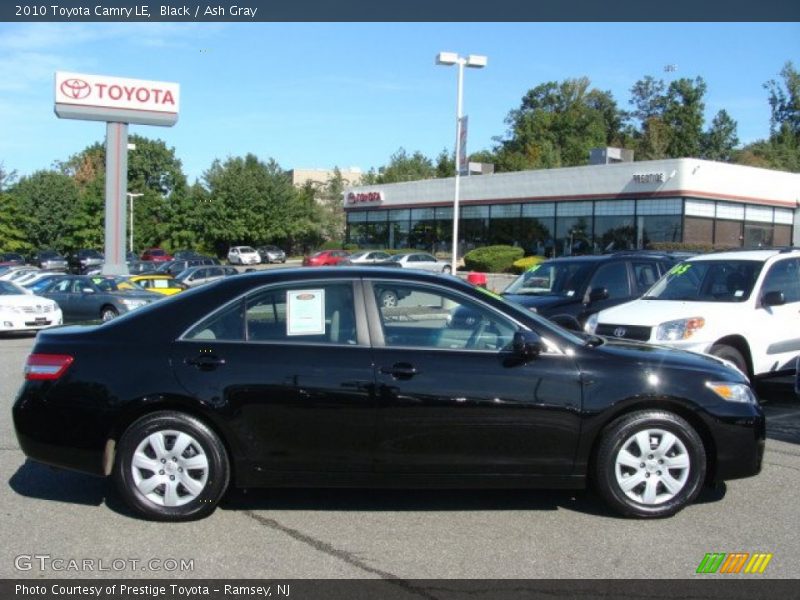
x,y
390,534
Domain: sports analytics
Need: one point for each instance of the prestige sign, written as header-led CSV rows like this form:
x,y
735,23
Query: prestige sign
x,y
116,99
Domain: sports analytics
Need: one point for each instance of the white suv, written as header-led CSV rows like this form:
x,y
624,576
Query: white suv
x,y
742,306
243,255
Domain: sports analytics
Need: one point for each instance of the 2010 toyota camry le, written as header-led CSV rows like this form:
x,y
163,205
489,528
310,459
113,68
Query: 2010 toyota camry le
x,y
302,377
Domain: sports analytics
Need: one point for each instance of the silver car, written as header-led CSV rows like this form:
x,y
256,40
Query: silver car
x,y
194,276
422,261
50,260
271,254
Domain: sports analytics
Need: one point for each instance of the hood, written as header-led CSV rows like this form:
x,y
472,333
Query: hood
x,y
541,303
650,313
661,358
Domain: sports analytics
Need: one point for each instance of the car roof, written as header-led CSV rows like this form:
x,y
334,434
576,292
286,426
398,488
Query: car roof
x,y
757,255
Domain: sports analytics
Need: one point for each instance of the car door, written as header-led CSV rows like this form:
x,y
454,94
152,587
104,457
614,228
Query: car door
x,y
291,367
777,326
453,399
61,293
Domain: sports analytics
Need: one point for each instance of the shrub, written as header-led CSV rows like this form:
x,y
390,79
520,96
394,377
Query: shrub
x,y
332,245
349,247
492,259
523,264
687,247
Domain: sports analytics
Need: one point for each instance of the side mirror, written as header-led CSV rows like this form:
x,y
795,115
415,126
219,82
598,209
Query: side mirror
x,y
527,344
599,293
774,298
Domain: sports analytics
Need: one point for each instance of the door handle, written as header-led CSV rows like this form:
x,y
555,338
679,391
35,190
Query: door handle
x,y
206,362
400,370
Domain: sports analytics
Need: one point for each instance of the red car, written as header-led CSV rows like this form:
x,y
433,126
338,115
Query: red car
x,y
325,257
156,255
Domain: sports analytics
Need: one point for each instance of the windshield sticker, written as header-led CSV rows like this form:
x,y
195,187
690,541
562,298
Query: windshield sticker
x,y
305,312
571,293
680,269
738,293
533,268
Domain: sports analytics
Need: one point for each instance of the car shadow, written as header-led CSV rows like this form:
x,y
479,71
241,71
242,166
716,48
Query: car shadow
x,y
35,480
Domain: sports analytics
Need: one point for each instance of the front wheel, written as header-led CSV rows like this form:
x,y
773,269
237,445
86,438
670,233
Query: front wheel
x,y
108,313
732,355
447,269
171,467
650,464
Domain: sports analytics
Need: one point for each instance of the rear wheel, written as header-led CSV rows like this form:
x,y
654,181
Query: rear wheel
x,y
171,467
731,354
650,464
389,298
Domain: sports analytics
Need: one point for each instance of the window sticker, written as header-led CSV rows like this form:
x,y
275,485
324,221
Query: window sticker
x,y
483,290
305,312
534,268
680,269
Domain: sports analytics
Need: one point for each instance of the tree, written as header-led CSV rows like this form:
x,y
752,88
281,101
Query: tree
x,y
683,114
557,124
445,164
402,167
720,140
48,198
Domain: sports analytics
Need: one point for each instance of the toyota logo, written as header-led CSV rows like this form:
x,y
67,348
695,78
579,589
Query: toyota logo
x,y
77,89
620,332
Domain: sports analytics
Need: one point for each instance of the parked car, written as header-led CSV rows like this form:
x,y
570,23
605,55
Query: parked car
x,y
325,258
85,260
20,310
194,276
49,260
185,254
422,261
12,258
174,267
16,272
271,254
84,298
741,306
570,289
160,284
243,255
222,387
367,257
156,255
42,280
138,267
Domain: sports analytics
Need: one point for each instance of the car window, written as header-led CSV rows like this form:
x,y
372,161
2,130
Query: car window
x,y
784,276
425,317
317,312
614,277
645,274
62,286
708,281
562,278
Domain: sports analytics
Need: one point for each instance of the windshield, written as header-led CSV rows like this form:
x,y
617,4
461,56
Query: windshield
x,y
708,281
9,289
551,279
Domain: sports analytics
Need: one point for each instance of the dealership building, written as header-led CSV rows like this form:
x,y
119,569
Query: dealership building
x,y
595,208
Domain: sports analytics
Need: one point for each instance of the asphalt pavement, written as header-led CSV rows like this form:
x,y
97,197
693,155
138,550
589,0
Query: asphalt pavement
x,y
50,515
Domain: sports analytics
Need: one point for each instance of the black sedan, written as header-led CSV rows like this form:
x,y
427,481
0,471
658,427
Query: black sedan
x,y
87,298
303,378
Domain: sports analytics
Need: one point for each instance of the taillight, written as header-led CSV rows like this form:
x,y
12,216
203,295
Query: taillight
x,y
46,367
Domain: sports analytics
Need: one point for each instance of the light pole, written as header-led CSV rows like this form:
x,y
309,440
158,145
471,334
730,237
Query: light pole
x,y
474,61
131,197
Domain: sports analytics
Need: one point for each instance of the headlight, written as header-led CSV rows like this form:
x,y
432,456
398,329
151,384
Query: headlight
x,y
682,329
733,392
591,324
131,304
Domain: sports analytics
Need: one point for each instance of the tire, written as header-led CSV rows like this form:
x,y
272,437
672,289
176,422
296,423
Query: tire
x,y
631,479
447,270
731,354
180,492
107,313
389,298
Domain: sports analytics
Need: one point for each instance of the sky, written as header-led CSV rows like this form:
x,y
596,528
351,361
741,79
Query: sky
x,y
319,95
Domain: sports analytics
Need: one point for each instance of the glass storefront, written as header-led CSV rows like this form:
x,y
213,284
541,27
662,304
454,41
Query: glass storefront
x,y
574,227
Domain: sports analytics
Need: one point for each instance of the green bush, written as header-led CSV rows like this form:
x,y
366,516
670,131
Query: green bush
x,y
349,247
493,259
687,247
332,245
524,264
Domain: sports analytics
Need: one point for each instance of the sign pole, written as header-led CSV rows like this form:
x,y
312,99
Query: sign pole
x,y
116,195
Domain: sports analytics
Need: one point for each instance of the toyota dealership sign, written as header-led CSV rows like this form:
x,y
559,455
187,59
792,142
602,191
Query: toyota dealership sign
x,y
116,99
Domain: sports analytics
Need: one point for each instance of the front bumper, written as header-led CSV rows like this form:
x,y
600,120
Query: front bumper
x,y
29,321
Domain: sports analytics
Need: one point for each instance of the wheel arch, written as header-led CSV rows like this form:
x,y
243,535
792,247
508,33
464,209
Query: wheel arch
x,y
152,404
739,343
665,404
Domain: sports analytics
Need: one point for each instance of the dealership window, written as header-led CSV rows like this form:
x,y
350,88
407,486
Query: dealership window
x,y
573,228
659,206
377,235
357,227
504,224
423,229
473,229
700,208
399,228
658,228
537,227
614,233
